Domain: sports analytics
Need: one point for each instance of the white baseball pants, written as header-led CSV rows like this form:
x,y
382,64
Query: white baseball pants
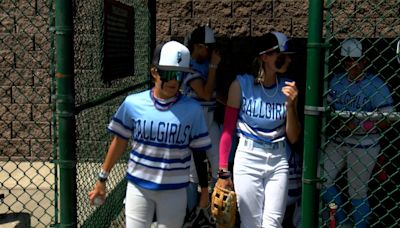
x,y
360,164
140,205
261,183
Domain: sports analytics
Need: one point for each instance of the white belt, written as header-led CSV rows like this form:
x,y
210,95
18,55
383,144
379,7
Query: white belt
x,y
263,145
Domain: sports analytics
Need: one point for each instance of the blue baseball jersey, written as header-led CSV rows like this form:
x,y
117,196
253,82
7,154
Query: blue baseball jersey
x,y
262,115
367,95
162,140
201,71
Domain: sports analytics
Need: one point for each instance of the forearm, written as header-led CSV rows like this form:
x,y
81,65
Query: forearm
x,y
227,136
199,158
115,151
210,84
293,126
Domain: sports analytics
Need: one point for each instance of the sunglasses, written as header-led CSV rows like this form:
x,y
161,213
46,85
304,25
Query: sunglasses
x,y
171,75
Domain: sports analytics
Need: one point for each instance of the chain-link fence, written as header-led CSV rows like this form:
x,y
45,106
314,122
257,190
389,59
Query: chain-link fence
x,y
29,127
97,99
360,160
27,171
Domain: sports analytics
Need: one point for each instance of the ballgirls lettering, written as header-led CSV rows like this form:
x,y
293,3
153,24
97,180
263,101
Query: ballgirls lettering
x,y
261,109
350,101
160,132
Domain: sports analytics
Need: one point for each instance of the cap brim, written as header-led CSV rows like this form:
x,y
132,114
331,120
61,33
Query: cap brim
x,y
175,68
288,52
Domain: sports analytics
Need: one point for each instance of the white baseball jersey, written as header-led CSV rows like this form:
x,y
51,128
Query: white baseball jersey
x,y
369,94
263,111
162,138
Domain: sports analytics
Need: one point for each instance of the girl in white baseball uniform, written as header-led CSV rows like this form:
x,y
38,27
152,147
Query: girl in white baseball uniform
x,y
261,108
165,128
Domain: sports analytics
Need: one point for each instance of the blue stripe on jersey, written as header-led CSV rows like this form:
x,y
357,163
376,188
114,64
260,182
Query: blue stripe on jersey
x,y
161,145
151,185
257,138
122,124
159,168
117,134
265,130
162,160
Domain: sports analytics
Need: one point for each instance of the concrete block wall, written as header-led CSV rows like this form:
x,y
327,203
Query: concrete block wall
x,y
25,109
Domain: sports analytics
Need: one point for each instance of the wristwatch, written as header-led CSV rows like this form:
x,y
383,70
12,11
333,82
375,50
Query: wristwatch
x,y
224,174
102,176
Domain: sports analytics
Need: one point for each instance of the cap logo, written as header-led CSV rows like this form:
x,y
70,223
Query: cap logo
x,y
179,57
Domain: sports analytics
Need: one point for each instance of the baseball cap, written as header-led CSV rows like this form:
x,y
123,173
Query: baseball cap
x,y
351,48
283,43
202,35
172,56
272,41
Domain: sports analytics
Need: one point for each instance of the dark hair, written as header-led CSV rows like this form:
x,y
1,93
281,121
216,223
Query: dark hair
x,y
156,54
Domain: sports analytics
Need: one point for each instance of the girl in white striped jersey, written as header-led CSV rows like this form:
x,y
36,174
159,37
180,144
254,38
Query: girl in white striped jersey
x,y
165,129
263,110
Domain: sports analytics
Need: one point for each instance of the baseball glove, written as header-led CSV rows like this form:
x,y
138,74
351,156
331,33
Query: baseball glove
x,y
223,207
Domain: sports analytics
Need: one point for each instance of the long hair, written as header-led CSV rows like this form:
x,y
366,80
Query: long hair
x,y
258,70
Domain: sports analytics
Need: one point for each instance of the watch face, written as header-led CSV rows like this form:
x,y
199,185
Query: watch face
x,y
103,176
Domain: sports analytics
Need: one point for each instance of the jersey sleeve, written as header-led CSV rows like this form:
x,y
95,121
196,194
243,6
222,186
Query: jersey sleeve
x,y
121,123
191,76
382,98
199,137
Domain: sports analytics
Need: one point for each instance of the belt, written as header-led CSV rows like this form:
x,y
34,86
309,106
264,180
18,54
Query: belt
x,y
263,145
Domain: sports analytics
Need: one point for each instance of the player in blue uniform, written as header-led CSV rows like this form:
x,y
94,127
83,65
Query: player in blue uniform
x,y
165,129
200,85
262,109
356,144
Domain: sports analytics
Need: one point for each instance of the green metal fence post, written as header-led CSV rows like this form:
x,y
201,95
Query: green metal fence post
x,y
65,113
309,193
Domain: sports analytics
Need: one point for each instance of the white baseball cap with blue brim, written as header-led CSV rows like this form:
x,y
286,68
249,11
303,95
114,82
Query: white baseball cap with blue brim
x,y
174,56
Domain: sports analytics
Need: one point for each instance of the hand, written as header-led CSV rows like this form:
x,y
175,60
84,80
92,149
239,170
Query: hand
x,y
368,125
99,190
291,93
204,198
225,183
215,57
